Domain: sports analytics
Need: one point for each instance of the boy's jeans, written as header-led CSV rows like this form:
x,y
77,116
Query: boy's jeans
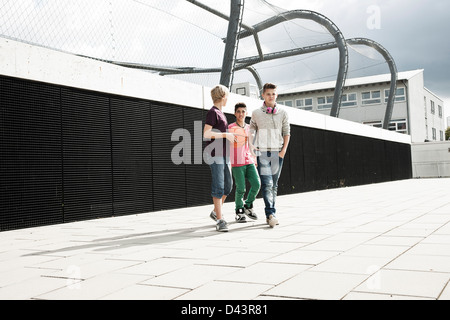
x,y
269,169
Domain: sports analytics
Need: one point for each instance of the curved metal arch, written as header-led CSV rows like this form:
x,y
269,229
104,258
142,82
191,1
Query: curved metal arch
x,y
290,15
331,45
334,31
394,74
247,63
257,77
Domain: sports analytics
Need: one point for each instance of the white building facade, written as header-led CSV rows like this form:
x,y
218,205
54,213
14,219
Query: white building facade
x,y
417,111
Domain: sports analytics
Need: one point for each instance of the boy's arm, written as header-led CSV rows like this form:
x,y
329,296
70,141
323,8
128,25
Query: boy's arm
x,y
208,133
251,146
253,124
286,131
252,132
286,140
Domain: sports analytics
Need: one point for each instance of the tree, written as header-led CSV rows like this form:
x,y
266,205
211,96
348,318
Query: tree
x,y
447,134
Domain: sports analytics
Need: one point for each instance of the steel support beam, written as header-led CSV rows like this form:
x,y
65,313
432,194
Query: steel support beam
x,y
231,47
223,16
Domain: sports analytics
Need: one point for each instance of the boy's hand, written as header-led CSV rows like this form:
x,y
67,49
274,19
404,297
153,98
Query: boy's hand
x,y
230,136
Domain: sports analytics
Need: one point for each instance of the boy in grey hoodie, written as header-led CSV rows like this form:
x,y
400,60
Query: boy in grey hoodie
x,y
270,125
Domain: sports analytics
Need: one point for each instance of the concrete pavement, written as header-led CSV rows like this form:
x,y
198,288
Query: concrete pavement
x,y
380,241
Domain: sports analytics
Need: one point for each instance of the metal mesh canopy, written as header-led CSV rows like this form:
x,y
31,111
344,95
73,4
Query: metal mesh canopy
x,y
181,34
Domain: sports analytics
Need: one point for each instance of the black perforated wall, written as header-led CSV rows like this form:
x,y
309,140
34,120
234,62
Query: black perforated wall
x,y
68,154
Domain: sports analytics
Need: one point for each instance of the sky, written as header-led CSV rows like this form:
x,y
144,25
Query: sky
x,y
415,32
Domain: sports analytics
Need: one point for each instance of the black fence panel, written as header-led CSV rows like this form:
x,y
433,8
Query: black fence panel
x,y
297,160
198,176
30,154
131,156
86,136
331,164
169,178
309,159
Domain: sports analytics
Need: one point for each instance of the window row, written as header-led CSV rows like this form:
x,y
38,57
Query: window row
x,y
442,135
399,125
348,100
433,108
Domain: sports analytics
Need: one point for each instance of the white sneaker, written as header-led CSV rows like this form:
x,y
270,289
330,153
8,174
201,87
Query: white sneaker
x,y
272,221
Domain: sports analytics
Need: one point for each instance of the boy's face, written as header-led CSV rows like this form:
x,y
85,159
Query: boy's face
x,y
270,97
240,114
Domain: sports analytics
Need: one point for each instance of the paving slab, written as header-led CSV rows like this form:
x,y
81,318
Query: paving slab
x,y
427,285
386,241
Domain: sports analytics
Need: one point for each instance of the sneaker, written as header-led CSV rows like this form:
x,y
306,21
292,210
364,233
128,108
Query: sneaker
x,y
213,216
240,217
249,212
272,221
222,226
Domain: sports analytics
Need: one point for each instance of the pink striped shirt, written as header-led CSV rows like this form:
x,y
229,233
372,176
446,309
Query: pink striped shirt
x,y
240,151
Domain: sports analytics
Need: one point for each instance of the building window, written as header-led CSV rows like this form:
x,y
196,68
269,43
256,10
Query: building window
x,y
304,104
371,97
434,134
433,109
242,91
349,100
442,135
376,124
324,102
399,126
399,95
287,103
440,111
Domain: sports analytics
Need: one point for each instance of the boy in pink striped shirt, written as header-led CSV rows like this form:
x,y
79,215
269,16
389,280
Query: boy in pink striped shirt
x,y
243,163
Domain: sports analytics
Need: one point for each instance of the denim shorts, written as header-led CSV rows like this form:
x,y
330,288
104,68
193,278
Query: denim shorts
x,y
222,179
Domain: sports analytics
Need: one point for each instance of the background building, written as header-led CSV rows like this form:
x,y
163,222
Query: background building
x,y
417,111
246,89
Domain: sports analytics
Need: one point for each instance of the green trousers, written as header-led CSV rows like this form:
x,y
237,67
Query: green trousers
x,y
240,175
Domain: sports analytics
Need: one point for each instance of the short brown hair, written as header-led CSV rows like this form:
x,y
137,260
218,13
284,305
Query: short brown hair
x,y
269,86
240,105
